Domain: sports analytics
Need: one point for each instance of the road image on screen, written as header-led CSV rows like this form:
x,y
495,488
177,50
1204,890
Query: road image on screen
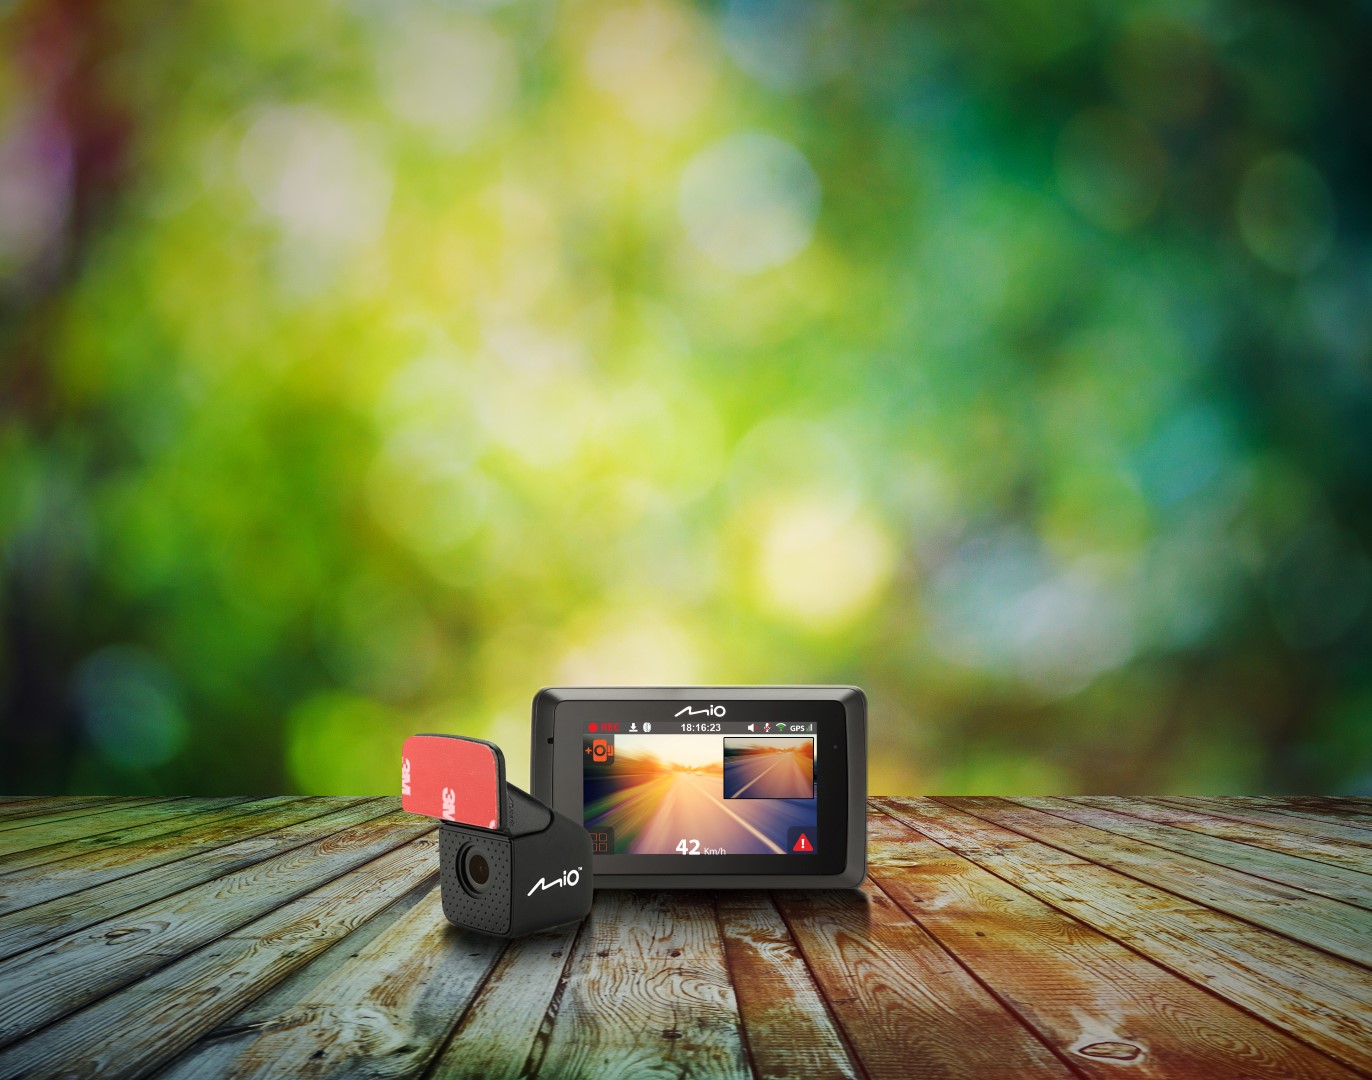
x,y
657,791
769,768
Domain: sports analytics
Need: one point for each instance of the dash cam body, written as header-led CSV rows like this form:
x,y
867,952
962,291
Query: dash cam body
x,y
508,864
533,875
709,787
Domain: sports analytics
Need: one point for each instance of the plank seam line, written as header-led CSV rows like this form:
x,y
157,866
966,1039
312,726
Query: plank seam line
x,y
538,1047
854,1058
18,825
25,806
1189,899
1166,800
451,1034
728,971
78,806
227,1028
1202,858
251,805
12,827
16,814
1302,815
1155,961
996,996
233,809
1158,803
169,961
90,807
182,858
1313,813
839,1028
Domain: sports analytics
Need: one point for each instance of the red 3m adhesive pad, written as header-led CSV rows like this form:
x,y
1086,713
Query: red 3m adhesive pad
x,y
452,779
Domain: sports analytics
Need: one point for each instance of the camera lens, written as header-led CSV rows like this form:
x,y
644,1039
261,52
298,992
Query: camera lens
x,y
474,869
479,870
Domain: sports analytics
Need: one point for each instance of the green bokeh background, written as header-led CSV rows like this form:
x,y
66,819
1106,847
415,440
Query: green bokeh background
x,y
367,366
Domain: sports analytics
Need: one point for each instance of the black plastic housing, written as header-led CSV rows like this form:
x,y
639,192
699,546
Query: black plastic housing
x,y
538,870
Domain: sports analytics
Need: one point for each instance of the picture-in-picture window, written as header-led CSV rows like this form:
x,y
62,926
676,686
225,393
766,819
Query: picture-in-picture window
x,y
769,768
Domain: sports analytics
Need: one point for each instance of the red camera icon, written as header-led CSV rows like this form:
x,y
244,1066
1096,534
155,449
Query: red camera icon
x,y
602,750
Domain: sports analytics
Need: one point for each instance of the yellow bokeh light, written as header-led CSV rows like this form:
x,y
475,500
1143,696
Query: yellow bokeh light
x,y
451,78
820,565
651,58
631,646
314,174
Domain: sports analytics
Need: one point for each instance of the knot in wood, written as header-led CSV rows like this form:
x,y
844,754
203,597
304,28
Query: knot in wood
x,y
1117,1051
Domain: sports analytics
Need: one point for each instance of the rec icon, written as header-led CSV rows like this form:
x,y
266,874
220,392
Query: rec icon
x,y
508,864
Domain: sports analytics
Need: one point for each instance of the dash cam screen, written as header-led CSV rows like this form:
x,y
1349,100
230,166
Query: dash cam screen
x,y
724,790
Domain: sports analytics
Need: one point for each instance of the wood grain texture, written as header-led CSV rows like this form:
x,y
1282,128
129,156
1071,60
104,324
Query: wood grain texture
x,y
65,822
135,1032
774,985
1349,809
102,958
1309,994
17,843
384,1011
304,980
1336,883
173,821
88,889
505,1031
647,994
28,805
1325,852
1098,1003
1351,837
1084,938
904,1005
1338,928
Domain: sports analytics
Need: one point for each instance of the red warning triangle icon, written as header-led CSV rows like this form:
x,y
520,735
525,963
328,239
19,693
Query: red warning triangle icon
x,y
803,844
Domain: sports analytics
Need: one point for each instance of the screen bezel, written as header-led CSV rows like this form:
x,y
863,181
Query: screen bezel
x,y
840,715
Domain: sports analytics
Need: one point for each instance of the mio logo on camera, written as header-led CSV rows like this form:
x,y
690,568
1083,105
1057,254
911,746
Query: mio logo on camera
x,y
568,878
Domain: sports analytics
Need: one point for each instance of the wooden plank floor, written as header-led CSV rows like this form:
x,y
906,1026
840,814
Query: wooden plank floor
x,y
1086,937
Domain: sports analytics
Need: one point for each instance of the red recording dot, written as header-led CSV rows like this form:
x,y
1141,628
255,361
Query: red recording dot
x,y
592,727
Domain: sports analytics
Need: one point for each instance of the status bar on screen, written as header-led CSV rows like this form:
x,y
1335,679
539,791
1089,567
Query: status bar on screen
x,y
700,727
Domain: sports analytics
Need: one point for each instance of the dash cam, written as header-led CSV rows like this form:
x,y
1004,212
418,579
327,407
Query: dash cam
x,y
709,787
509,864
